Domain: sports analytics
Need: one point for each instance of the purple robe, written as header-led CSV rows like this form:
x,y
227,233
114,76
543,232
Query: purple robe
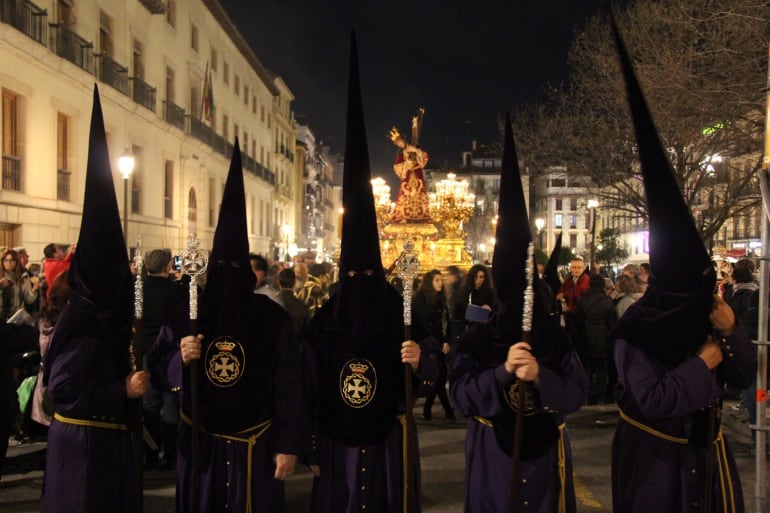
x,y
650,473
270,390
476,392
365,477
88,469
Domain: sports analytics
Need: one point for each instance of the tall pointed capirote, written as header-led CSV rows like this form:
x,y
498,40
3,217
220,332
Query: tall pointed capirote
x,y
99,269
671,320
360,242
512,237
551,271
231,243
678,256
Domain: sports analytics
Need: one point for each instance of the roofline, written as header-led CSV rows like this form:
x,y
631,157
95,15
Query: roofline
x,y
219,14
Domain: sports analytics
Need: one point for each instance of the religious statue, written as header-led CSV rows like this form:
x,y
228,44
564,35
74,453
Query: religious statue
x,y
412,201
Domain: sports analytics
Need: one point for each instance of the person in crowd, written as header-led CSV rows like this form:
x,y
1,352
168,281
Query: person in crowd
x,y
596,268
298,311
300,274
89,463
676,349
743,288
259,266
357,356
749,319
493,362
41,412
56,260
477,288
430,308
26,268
452,285
262,270
573,287
252,414
160,404
626,293
314,290
16,288
644,276
14,339
595,316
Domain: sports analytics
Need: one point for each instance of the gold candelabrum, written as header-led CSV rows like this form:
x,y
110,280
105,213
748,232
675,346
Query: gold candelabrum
x,y
452,205
382,204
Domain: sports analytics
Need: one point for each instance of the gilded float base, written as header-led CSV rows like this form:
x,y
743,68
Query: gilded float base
x,y
433,252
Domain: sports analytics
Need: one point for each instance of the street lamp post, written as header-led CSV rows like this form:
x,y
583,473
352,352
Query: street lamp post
x,y
126,163
593,204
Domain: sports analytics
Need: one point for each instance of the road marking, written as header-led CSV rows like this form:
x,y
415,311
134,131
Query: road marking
x,y
584,495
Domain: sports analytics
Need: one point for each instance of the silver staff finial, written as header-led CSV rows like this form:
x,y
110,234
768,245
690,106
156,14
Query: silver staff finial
x,y
194,262
408,268
138,284
529,292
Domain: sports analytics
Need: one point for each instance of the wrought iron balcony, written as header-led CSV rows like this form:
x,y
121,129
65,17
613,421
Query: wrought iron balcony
x,y
67,44
113,74
63,184
201,131
174,114
11,173
142,93
154,6
219,144
26,17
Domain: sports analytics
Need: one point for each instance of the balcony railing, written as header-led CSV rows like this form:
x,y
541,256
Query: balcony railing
x,y
219,144
11,173
174,114
201,130
154,6
63,184
25,16
67,44
142,93
113,74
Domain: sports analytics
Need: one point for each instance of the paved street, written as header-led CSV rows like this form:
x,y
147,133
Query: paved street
x,y
442,468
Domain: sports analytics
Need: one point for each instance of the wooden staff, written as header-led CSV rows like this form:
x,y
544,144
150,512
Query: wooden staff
x,y
138,366
408,267
194,262
526,329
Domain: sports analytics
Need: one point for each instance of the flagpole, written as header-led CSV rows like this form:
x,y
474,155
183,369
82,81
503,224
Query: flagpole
x,y
205,93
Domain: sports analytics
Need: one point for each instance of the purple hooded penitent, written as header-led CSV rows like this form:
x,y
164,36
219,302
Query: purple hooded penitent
x,y
482,389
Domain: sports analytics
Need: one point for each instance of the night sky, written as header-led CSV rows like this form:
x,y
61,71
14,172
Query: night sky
x,y
464,62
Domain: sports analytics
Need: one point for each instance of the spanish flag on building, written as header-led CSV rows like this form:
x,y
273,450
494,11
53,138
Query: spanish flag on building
x,y
208,98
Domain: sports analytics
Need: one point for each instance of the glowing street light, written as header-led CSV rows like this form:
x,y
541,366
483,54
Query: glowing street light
x,y
126,163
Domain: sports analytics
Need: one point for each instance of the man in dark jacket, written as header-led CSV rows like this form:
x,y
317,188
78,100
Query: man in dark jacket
x,y
161,405
595,318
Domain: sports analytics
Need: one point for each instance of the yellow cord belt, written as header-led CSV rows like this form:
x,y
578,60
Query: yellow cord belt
x,y
561,451
725,478
90,423
251,440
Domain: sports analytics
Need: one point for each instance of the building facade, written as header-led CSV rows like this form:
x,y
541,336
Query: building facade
x,y
178,84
